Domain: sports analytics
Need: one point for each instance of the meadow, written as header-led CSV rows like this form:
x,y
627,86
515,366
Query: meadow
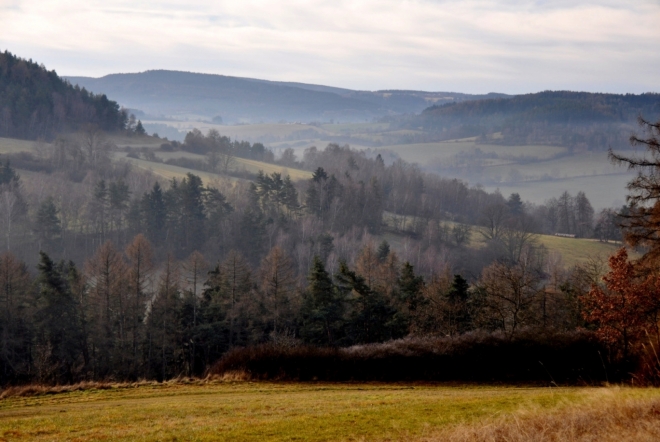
x,y
11,145
246,411
572,250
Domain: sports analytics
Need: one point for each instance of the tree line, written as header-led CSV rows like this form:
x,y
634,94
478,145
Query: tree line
x,y
130,314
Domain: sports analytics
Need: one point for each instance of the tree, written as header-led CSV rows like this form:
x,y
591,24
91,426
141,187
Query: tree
x,y
47,225
58,338
194,267
322,309
14,321
584,216
642,222
107,274
95,145
12,205
155,214
139,129
278,287
626,309
236,287
163,324
369,319
140,271
511,291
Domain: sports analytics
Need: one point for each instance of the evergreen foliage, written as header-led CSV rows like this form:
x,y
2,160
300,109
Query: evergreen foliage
x,y
37,103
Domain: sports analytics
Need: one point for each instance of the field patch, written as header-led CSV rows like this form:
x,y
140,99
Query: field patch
x,y
11,145
426,153
278,412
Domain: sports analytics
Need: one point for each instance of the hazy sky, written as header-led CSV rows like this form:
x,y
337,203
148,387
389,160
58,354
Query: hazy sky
x,y
512,46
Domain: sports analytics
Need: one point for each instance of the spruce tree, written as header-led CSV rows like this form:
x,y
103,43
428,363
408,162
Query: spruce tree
x,y
58,343
323,308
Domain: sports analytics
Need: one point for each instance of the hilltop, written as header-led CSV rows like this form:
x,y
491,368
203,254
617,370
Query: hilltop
x,y
579,120
193,95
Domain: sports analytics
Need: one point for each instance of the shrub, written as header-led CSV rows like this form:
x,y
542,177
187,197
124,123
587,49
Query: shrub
x,y
557,358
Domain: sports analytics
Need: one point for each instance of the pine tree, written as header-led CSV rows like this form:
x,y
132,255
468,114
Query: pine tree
x,y
322,309
458,313
155,214
139,129
58,338
370,317
47,224
14,320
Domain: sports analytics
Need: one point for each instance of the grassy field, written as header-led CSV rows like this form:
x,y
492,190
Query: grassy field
x,y
425,152
243,411
170,171
10,145
572,250
245,131
603,191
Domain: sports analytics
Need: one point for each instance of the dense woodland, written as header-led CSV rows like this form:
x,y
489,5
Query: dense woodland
x,y
577,120
143,278
36,103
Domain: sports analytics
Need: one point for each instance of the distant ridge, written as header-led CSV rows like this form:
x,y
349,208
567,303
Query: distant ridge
x,y
191,95
573,119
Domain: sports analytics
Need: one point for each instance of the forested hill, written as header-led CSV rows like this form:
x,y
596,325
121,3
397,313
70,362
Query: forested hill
x,y
186,94
37,103
566,118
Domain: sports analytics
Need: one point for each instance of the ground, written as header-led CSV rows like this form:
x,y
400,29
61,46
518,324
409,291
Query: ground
x,y
246,411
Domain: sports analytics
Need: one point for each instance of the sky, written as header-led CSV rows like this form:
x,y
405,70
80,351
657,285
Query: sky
x,y
510,46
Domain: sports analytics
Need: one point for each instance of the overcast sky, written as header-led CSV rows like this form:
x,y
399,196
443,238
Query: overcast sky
x,y
512,46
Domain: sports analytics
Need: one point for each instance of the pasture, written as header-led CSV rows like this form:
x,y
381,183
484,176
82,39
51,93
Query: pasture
x,y
246,411
11,145
425,154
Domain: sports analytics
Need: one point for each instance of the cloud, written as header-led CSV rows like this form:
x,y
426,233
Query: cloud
x,y
473,45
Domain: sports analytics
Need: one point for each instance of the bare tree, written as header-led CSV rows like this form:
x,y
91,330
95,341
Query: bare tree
x,y
95,145
278,286
511,292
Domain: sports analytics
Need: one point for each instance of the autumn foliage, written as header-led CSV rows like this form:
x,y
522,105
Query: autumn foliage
x,y
626,308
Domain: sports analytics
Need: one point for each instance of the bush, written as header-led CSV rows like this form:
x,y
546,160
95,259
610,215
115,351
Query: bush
x,y
558,358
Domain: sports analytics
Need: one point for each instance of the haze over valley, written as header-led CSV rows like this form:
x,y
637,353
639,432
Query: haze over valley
x,y
376,220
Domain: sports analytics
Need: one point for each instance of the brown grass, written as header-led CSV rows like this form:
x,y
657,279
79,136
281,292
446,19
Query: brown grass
x,y
606,420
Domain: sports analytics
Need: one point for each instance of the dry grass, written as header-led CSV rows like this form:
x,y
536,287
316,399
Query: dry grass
x,y
11,145
609,419
212,410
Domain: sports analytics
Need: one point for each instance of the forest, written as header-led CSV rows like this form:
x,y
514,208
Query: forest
x,y
577,120
132,276
37,104
112,272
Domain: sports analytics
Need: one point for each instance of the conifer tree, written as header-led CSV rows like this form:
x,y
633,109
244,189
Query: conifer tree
x,y
322,309
14,321
57,322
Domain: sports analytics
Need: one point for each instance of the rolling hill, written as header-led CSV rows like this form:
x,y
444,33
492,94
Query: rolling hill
x,y
192,95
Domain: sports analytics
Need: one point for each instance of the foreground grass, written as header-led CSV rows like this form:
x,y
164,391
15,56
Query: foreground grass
x,y
245,411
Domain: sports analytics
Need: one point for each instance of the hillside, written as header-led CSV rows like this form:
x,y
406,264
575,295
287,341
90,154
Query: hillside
x,y
579,120
37,103
238,100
